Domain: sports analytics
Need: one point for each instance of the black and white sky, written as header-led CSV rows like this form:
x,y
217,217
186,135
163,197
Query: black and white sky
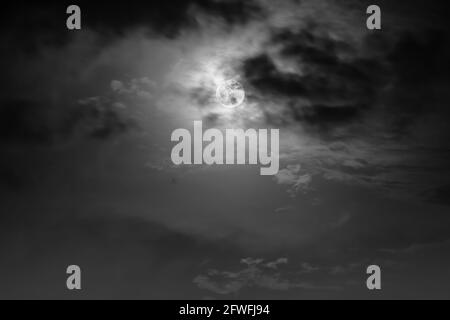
x,y
86,176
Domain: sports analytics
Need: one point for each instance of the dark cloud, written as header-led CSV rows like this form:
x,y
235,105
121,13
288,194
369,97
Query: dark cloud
x,y
165,17
231,11
44,23
98,118
421,70
397,78
332,84
33,122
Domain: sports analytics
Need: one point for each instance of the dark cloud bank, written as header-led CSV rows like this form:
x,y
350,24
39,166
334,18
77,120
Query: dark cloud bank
x,y
341,85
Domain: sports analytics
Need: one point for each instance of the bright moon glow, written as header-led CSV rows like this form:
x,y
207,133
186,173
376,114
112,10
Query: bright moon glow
x,y
230,94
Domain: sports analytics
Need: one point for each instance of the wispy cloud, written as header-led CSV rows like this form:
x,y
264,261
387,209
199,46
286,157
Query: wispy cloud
x,y
292,177
256,274
417,247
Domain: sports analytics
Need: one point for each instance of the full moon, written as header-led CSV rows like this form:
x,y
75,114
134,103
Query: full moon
x,y
230,94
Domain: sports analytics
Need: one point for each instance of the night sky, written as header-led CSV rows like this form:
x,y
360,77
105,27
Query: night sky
x,y
86,176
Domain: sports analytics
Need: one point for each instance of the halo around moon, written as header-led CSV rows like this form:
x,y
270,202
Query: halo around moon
x,y
230,94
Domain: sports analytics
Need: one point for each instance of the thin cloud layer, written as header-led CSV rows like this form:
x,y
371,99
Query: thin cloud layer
x,y
256,274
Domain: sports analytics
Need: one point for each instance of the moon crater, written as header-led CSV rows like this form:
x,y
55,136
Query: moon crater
x,y
230,94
